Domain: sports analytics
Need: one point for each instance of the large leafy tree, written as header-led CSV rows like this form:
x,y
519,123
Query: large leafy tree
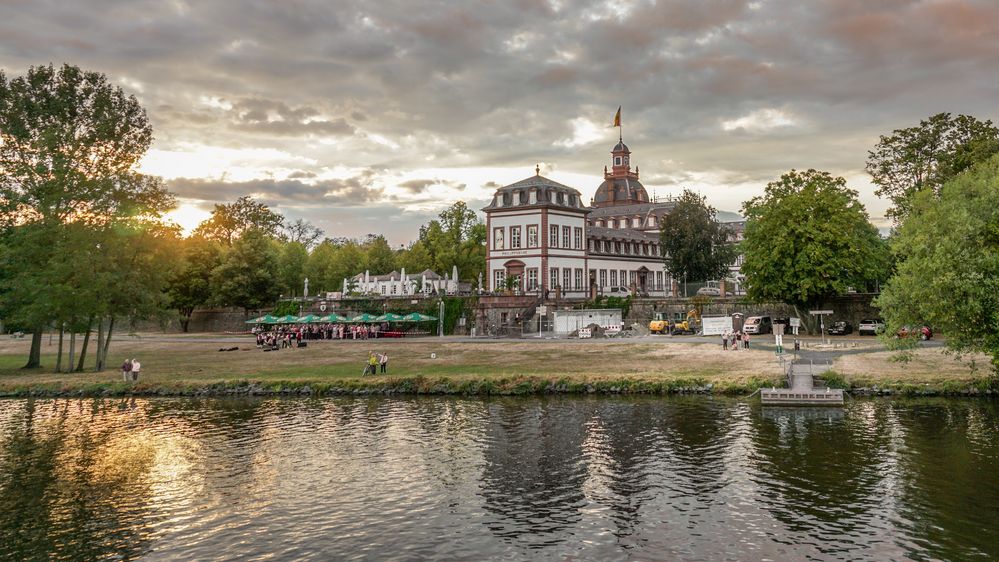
x,y
69,145
695,245
230,220
924,157
249,275
379,258
456,238
292,261
807,239
191,284
949,277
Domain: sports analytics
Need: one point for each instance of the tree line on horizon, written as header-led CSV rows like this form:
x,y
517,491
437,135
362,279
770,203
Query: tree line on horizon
x,y
83,243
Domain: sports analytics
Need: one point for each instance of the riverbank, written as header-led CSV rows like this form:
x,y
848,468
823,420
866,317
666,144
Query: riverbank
x,y
195,366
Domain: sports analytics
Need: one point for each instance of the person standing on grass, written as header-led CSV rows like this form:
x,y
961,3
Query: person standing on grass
x,y
383,361
135,369
725,337
126,370
372,363
745,340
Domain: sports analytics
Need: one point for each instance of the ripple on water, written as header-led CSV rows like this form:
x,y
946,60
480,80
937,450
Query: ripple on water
x,y
537,478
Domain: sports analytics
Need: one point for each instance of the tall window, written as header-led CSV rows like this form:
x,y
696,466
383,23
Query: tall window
x,y
617,247
553,236
659,280
532,279
613,277
632,278
579,279
498,239
553,278
498,276
603,278
624,277
607,246
515,237
566,237
566,279
577,234
532,236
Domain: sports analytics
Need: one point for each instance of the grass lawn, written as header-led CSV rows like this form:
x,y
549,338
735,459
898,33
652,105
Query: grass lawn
x,y
196,361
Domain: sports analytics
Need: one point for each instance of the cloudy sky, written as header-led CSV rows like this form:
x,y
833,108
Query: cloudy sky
x,y
371,116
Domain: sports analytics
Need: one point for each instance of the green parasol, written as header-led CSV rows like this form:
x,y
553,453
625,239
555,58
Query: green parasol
x,y
364,318
332,317
389,317
268,319
288,319
309,319
417,317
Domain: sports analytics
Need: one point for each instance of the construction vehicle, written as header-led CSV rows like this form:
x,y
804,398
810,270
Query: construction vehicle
x,y
660,323
688,327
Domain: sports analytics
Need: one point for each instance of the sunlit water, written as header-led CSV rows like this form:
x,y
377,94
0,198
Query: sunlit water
x,y
478,479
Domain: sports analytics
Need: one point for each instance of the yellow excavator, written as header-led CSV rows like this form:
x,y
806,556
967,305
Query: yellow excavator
x,y
661,324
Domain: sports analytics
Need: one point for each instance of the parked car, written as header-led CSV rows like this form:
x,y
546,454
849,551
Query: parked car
x,y
758,325
924,332
840,328
870,327
712,292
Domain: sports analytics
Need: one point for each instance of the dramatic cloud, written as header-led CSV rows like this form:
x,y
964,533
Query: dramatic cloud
x,y
397,108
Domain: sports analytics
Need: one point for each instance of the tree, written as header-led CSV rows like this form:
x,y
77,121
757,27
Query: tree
x,y
949,277
925,157
807,239
230,220
414,258
292,260
456,238
695,246
191,286
304,232
379,258
248,275
69,146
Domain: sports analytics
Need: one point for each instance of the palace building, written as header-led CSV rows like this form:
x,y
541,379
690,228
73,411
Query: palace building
x,y
546,239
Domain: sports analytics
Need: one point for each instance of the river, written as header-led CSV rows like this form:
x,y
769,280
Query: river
x,y
561,478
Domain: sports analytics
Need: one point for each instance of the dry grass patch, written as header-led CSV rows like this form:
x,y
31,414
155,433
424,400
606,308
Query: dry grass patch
x,y
928,365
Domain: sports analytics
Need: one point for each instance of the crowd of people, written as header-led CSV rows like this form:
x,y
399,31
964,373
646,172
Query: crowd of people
x,y
290,335
732,339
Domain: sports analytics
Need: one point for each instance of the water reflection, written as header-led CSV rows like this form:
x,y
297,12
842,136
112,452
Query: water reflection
x,y
539,478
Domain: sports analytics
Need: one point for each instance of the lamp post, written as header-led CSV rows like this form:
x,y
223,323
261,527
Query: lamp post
x,y
440,318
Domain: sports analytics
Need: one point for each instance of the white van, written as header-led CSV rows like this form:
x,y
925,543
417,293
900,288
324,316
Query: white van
x,y
758,325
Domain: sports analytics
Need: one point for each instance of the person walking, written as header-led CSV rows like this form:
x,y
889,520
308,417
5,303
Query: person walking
x,y
135,369
126,370
383,361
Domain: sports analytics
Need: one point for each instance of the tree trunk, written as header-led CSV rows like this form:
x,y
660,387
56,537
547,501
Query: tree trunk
x,y
107,342
99,357
72,350
86,342
35,355
59,350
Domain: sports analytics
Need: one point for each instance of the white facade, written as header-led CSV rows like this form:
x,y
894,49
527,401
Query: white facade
x,y
401,284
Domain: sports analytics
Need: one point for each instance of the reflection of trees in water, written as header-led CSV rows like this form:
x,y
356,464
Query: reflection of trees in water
x,y
642,449
824,478
533,474
949,486
71,486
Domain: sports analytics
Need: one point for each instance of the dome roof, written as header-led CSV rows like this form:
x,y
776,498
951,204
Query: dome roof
x,y
620,147
620,191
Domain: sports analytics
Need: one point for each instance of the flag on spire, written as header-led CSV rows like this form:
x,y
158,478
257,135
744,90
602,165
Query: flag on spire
x,y
617,117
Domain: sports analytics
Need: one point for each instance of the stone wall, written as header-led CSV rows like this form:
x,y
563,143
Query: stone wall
x,y
852,308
